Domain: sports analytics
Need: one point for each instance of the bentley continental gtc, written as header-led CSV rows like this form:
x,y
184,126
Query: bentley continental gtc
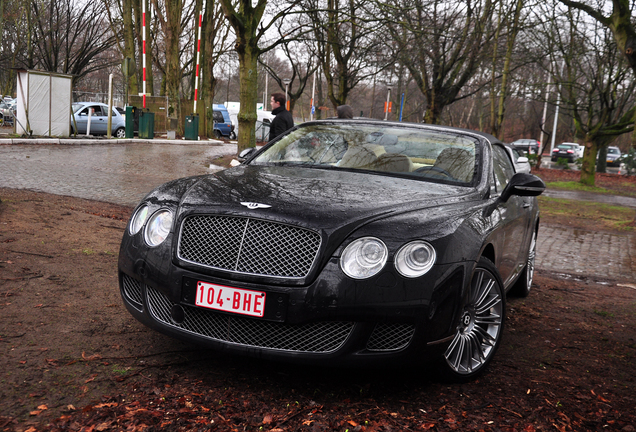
x,y
340,242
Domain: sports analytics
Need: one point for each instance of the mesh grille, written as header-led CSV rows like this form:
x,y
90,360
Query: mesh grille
x,y
321,337
248,245
390,337
132,291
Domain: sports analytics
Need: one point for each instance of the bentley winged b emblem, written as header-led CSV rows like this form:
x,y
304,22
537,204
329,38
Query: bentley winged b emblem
x,y
254,206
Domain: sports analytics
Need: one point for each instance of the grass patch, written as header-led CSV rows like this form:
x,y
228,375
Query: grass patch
x,y
576,186
587,214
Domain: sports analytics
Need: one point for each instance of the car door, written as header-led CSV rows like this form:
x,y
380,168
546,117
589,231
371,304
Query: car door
x,y
513,218
99,120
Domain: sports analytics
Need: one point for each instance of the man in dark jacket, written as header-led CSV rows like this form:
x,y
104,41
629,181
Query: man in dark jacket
x,y
284,120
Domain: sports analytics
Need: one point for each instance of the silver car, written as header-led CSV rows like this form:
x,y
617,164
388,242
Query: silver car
x,y
6,113
613,156
519,159
98,119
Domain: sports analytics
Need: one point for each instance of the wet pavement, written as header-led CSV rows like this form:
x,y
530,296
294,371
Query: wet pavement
x,y
123,173
115,173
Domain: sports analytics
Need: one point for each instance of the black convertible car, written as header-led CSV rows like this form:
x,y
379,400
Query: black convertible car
x,y
343,241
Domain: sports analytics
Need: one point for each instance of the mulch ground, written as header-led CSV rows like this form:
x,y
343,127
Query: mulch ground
x,y
73,359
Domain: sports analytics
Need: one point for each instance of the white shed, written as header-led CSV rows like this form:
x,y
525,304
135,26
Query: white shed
x,y
44,102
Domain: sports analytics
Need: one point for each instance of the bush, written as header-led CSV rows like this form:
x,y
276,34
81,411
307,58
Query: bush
x,y
563,163
629,160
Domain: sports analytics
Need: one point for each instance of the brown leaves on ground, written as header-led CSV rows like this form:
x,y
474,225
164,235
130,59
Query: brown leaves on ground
x,y
566,361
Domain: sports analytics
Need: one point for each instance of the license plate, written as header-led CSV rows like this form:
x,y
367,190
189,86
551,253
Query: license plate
x,y
229,299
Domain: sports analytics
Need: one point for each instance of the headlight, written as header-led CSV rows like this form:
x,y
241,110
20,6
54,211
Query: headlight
x,y
158,228
138,220
415,259
363,258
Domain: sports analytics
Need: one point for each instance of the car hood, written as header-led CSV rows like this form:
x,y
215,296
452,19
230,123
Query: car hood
x,y
317,199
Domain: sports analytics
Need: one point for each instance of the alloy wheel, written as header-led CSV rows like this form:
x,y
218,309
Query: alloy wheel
x,y
480,327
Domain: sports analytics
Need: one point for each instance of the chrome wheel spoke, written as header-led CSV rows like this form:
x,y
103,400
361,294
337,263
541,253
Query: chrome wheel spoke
x,y
480,327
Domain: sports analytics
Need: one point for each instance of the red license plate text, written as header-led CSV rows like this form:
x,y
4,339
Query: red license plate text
x,y
228,299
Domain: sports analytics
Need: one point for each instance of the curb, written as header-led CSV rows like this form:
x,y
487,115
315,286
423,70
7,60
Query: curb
x,y
85,141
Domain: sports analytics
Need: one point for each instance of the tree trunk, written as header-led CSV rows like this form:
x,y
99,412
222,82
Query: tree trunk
x,y
248,57
129,48
208,81
589,162
173,68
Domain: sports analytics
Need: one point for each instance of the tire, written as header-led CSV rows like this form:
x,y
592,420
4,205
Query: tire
x,y
232,135
120,133
522,287
218,134
480,325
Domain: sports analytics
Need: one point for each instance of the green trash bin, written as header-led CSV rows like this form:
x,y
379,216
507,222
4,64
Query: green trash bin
x,y
132,117
146,124
192,127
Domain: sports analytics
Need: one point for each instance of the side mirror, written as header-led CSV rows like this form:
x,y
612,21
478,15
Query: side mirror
x,y
246,153
522,159
523,184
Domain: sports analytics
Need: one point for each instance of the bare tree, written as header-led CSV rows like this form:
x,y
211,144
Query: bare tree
x,y
597,88
442,44
70,37
347,40
245,18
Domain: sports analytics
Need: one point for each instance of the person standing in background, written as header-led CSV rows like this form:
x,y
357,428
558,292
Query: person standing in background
x,y
283,120
345,112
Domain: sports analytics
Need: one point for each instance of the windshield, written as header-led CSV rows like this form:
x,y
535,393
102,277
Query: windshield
x,y
611,150
413,152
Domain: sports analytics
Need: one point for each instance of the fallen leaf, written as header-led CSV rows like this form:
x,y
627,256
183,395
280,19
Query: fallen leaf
x,y
43,407
106,405
90,358
92,378
267,419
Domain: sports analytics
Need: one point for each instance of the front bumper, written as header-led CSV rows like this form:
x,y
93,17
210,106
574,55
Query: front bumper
x,y
330,321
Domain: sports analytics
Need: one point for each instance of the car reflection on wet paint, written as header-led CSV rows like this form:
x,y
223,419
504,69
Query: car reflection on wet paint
x,y
341,242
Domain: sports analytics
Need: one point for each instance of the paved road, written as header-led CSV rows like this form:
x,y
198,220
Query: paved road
x,y
116,173
124,173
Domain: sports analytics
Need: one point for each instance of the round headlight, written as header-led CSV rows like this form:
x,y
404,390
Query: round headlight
x,y
158,228
364,258
415,259
139,219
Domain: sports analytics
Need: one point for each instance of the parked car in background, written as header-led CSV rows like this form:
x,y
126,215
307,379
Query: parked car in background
x,y
98,119
341,241
519,159
613,156
568,151
222,123
7,113
578,149
527,145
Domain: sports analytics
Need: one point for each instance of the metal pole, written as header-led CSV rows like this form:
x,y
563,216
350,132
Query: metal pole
x,y
110,105
401,106
265,94
556,112
313,95
143,39
196,76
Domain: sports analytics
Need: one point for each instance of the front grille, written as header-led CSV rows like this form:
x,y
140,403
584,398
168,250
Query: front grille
x,y
132,291
390,337
248,245
321,337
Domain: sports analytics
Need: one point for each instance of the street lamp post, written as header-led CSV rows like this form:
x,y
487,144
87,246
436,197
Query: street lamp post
x,y
386,107
286,81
